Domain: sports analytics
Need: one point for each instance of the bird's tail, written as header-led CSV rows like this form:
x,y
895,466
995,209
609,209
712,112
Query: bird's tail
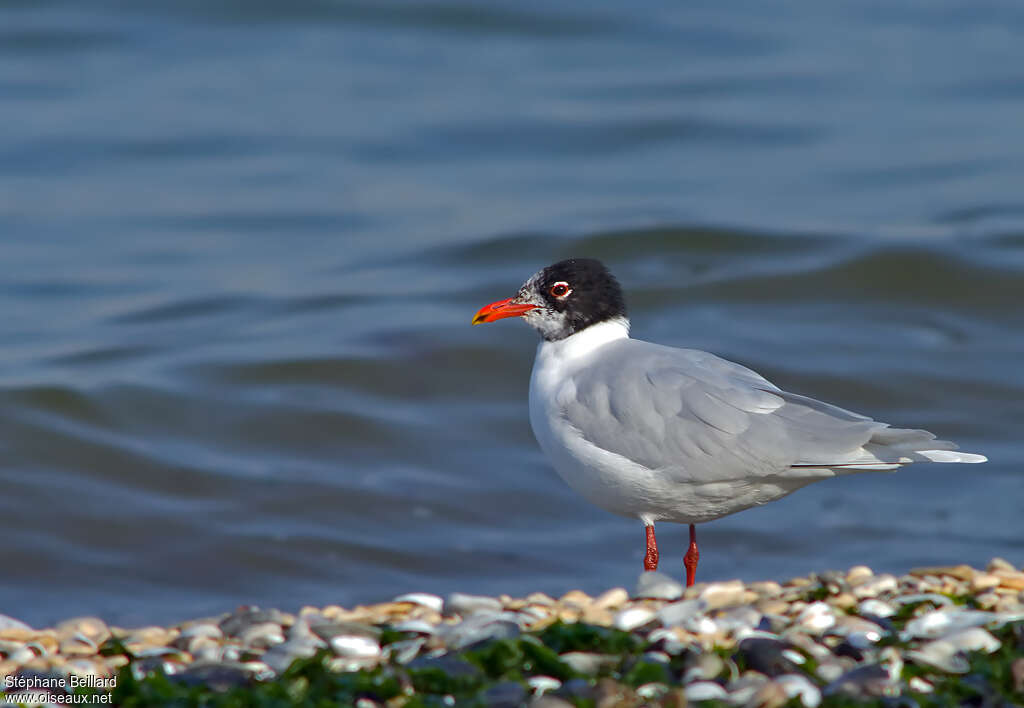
x,y
894,447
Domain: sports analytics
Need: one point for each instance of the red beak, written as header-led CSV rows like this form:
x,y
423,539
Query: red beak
x,y
500,310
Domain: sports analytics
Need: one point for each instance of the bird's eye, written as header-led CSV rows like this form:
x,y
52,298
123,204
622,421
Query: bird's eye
x,y
560,289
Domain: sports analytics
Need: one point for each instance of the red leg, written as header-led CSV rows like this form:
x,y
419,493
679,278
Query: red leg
x,y
691,557
651,557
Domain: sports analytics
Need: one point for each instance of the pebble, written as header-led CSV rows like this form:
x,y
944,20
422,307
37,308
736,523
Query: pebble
x,y
876,608
478,627
9,623
960,572
738,621
405,651
280,656
632,617
767,656
261,635
984,581
797,641
235,623
1013,580
869,681
355,646
1000,564
208,630
549,702
575,598
717,595
766,588
507,694
588,663
596,615
681,613
844,601
461,604
947,620
658,586
769,695
875,586
1017,674
81,635
817,617
858,574
742,690
704,666
539,598
860,632
799,686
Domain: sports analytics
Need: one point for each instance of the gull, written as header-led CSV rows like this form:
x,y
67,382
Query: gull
x,y
657,433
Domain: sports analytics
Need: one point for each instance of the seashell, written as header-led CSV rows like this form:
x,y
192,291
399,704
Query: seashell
x,y
937,623
668,641
423,599
404,651
542,684
705,691
415,626
948,653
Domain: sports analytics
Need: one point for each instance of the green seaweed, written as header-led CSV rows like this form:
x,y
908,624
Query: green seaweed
x,y
499,659
541,660
561,638
646,672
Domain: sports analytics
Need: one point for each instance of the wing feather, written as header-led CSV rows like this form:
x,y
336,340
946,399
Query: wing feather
x,y
699,417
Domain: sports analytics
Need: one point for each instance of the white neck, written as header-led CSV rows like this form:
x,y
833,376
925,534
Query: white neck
x,y
587,340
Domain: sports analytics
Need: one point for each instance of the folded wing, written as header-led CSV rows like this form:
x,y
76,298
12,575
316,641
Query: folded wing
x,y
699,417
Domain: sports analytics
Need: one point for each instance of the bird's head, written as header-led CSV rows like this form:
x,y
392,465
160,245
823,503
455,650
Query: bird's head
x,y
562,299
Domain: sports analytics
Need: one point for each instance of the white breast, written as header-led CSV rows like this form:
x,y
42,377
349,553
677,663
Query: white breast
x,y
603,478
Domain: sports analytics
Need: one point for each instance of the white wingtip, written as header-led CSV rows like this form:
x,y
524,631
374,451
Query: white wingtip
x,y
952,456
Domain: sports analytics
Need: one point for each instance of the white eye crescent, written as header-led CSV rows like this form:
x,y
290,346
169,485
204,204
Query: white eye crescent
x,y
560,289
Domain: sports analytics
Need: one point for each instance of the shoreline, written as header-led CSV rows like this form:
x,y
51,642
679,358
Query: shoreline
x,y
817,640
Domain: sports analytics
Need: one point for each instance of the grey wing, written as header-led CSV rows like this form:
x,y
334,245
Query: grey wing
x,y
703,418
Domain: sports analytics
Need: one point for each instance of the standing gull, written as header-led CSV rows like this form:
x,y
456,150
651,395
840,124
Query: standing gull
x,y
664,434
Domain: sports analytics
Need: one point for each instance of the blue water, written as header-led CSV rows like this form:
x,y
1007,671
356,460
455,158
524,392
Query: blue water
x,y
242,242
